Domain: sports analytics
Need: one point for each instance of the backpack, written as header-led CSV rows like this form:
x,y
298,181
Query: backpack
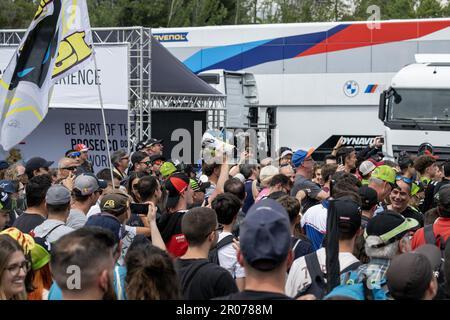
x,y
213,255
357,289
318,286
431,238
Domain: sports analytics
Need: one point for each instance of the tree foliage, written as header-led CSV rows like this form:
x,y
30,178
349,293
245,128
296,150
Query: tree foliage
x,y
183,13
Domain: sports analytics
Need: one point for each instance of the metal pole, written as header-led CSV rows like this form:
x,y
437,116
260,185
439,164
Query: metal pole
x,y
104,119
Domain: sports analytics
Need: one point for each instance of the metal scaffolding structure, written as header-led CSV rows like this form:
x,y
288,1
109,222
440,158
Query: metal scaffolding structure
x,y
141,100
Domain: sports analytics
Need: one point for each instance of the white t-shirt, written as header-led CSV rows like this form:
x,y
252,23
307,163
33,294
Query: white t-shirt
x,y
299,277
77,219
95,209
228,259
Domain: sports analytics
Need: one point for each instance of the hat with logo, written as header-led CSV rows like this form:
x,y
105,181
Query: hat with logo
x,y
366,167
57,194
175,185
152,141
369,197
389,226
384,173
300,156
198,186
265,238
87,184
5,201
8,186
81,148
36,163
167,168
348,212
409,275
433,254
4,164
115,203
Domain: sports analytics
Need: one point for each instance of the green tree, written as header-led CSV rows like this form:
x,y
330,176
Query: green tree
x,y
429,9
16,13
401,9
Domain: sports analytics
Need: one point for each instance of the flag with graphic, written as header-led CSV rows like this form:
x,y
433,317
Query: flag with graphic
x,y
57,43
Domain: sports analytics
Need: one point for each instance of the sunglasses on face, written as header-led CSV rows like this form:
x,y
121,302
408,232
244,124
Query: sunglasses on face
x,y
219,230
70,168
74,155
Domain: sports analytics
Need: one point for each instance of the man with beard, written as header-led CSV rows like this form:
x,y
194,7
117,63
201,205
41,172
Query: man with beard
x,y
93,251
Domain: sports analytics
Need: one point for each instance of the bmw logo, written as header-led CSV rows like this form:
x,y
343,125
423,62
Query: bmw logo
x,y
351,88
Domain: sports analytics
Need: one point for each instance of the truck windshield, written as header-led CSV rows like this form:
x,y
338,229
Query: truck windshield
x,y
420,105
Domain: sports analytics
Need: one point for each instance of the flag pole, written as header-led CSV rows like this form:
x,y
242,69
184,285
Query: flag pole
x,y
103,116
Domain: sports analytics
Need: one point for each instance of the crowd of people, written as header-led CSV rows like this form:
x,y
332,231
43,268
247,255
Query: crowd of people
x,y
353,227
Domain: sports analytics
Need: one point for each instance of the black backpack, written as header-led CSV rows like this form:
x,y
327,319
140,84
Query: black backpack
x,y
214,252
431,238
318,286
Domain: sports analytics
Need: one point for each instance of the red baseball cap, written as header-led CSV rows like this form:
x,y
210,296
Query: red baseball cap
x,y
81,147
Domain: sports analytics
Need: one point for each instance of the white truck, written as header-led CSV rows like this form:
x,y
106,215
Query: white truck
x,y
315,82
416,107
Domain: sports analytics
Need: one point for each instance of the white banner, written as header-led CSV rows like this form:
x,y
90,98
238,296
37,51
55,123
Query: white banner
x,y
79,90
62,129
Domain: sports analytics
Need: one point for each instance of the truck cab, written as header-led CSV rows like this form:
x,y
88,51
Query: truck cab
x,y
416,107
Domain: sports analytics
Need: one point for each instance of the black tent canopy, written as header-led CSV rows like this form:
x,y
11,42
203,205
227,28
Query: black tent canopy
x,y
170,75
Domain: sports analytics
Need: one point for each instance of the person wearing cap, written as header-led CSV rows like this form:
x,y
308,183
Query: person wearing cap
x,y
346,156
85,166
199,278
153,147
382,181
5,204
365,170
156,161
166,169
413,275
58,206
369,201
265,252
438,232
140,162
387,235
265,177
199,190
304,165
37,166
36,212
179,197
285,156
120,161
86,191
349,225
67,167
428,171
400,198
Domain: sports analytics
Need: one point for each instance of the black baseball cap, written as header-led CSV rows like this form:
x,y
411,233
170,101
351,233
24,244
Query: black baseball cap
x,y
349,213
155,157
36,163
369,197
153,141
390,226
